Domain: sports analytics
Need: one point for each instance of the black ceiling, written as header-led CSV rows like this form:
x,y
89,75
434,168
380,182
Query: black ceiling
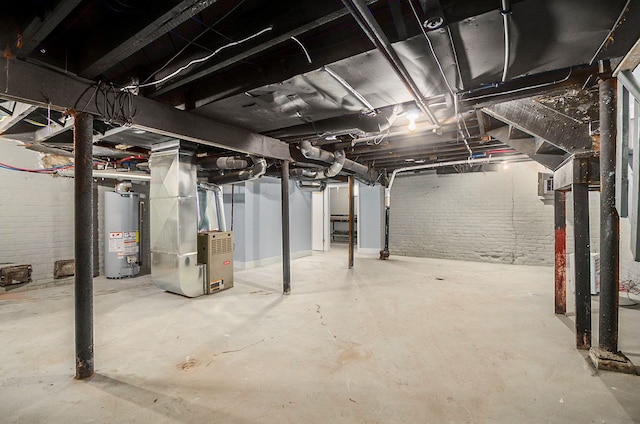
x,y
276,81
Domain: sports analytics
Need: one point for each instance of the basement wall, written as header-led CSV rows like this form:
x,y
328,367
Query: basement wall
x,y
36,217
257,221
370,219
484,216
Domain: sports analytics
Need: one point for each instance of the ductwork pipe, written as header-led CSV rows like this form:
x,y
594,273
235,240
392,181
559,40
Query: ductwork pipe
x,y
225,162
313,186
311,152
345,124
110,175
258,169
329,172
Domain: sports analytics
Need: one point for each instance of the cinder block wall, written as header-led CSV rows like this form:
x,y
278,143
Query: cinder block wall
x,y
36,217
488,217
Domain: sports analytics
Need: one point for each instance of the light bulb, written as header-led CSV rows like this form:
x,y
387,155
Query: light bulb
x,y
505,165
412,116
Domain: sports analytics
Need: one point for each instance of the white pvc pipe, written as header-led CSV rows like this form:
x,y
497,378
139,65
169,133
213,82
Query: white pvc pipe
x,y
111,175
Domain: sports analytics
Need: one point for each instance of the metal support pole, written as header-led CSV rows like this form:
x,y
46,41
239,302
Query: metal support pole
x,y
83,217
286,246
384,253
609,220
351,219
560,206
582,264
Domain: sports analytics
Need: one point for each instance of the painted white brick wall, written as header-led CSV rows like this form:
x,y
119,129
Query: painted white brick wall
x,y
36,217
487,217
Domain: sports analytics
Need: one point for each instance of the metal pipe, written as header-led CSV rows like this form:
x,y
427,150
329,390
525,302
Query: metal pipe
x,y
609,220
351,220
329,172
83,221
225,162
315,153
258,170
286,246
582,271
109,175
222,223
350,89
506,11
456,162
560,206
141,223
384,253
372,29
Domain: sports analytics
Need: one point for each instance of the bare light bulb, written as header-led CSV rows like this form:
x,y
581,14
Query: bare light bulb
x,y
412,120
505,165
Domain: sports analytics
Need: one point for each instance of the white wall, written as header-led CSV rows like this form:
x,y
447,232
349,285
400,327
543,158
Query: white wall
x,y
257,221
36,216
490,217
371,219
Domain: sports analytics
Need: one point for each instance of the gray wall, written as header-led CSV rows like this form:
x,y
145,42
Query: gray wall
x,y
257,221
490,217
36,217
371,218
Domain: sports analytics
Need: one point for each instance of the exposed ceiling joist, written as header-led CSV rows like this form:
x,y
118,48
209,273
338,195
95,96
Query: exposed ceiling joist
x,y
43,87
251,52
52,130
541,121
19,112
40,28
186,9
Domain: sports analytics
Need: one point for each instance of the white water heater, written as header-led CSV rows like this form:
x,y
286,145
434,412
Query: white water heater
x,y
122,232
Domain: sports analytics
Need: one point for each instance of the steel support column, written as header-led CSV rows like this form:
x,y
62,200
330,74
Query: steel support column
x,y
560,206
83,217
581,273
384,253
286,246
351,221
609,220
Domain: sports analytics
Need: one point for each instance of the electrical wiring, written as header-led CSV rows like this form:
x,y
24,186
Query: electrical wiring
x,y
303,48
413,9
210,27
51,170
195,61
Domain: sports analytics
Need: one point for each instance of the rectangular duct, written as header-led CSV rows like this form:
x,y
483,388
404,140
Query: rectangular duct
x,y
174,223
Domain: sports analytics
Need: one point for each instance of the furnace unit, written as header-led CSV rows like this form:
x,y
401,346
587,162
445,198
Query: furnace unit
x,y
215,251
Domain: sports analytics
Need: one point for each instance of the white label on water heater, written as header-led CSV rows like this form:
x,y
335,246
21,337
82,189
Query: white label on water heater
x,y
116,242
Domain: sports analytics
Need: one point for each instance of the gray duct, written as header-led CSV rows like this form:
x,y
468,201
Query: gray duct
x,y
174,223
343,124
258,169
329,172
225,162
315,153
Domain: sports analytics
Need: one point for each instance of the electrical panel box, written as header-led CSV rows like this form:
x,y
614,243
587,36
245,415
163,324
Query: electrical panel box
x,y
545,185
215,251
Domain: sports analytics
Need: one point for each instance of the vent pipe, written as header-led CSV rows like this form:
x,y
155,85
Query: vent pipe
x,y
258,169
315,153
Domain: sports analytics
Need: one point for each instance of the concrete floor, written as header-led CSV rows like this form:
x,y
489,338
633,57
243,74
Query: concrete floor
x,y
403,341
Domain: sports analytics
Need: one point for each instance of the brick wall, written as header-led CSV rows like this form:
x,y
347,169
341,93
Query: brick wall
x,y
36,217
488,217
